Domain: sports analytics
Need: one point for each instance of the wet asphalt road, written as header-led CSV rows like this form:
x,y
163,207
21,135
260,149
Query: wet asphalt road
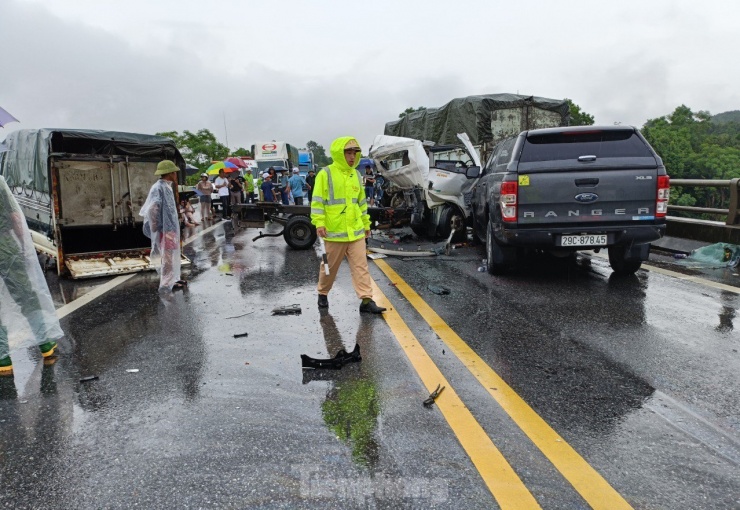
x,y
638,375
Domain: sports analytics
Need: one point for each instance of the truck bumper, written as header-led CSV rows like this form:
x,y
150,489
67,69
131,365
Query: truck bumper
x,y
550,238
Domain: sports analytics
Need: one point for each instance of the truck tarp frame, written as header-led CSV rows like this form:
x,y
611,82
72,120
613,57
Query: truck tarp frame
x,y
471,115
26,162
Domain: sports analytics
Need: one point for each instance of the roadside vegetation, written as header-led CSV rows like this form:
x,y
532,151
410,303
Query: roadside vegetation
x,y
697,145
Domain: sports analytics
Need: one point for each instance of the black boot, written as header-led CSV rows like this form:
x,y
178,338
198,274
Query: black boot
x,y
371,307
323,301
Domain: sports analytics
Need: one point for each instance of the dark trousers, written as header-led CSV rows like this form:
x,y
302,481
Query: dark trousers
x,y
226,205
298,200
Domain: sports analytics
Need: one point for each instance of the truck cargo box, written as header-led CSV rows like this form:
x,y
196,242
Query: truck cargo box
x,y
81,192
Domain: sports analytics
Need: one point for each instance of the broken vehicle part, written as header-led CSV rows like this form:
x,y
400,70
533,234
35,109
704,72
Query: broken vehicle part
x,y
401,253
336,363
287,310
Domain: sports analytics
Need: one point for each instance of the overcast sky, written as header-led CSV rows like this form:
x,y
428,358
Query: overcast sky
x,y
315,70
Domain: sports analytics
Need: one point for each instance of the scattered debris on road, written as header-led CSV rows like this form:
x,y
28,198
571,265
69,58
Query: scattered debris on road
x,y
336,363
439,289
287,310
89,378
242,315
240,335
433,396
132,370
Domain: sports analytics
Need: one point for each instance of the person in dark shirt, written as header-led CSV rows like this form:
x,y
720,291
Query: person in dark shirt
x,y
268,188
235,190
310,180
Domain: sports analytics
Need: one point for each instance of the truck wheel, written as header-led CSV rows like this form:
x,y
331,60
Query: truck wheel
x,y
496,260
450,214
299,233
620,264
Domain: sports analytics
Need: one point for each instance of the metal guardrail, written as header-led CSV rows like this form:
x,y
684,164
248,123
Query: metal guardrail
x,y
732,213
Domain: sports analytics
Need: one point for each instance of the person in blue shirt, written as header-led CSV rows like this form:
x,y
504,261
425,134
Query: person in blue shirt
x,y
268,187
296,183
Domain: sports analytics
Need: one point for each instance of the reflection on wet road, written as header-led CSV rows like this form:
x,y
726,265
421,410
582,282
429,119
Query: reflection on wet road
x,y
639,376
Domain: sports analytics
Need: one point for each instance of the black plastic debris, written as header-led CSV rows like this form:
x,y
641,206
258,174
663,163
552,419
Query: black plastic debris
x,y
433,396
287,310
89,378
336,363
241,335
439,289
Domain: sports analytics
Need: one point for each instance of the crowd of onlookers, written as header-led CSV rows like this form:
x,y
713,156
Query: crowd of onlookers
x,y
271,186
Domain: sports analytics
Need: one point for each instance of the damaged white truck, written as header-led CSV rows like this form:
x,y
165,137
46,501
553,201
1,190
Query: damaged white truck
x,y
81,192
431,159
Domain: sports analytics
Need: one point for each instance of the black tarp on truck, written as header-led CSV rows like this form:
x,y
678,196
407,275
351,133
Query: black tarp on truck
x,y
81,192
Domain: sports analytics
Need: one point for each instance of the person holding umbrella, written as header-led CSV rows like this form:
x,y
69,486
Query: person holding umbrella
x,y
162,226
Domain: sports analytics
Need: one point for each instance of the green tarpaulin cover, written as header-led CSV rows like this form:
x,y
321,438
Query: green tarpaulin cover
x,y
474,115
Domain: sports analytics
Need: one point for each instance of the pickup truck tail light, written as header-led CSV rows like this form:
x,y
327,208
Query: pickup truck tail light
x,y
664,193
508,200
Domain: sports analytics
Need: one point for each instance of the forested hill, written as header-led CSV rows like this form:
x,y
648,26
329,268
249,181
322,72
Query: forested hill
x,y
697,145
724,118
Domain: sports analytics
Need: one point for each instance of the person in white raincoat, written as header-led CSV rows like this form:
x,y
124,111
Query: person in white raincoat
x,y
162,226
27,314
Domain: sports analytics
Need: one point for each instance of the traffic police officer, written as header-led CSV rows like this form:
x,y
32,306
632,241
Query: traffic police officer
x,y
339,213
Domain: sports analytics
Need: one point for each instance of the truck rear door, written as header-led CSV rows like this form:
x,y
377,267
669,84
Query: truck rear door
x,y
586,176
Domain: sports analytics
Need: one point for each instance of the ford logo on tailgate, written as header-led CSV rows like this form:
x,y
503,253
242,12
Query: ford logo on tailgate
x,y
587,198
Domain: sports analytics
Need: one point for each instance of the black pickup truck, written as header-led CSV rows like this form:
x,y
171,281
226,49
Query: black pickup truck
x,y
572,188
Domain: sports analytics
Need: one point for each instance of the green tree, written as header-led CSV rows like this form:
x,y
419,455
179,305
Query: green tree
x,y
411,110
199,148
577,116
241,151
692,146
319,154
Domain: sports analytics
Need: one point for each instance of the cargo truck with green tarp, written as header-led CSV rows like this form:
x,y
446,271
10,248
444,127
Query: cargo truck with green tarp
x,y
487,119
81,192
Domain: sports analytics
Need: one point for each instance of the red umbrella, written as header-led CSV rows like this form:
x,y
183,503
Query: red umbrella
x,y
237,161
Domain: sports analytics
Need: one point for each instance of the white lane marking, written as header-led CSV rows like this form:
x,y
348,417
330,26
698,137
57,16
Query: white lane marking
x,y
201,233
78,303
680,276
93,294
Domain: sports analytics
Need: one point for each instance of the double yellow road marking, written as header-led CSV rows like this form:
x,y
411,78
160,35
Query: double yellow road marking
x,y
503,485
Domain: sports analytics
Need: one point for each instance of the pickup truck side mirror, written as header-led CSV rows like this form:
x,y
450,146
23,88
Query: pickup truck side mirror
x,y
472,172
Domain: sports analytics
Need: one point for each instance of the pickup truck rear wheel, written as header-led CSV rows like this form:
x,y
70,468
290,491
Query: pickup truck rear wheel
x,y
620,264
496,260
299,233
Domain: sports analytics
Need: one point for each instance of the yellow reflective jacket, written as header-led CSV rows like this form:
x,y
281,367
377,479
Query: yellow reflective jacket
x,y
338,202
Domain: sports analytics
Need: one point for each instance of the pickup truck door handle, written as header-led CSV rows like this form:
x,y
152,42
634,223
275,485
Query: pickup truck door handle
x,y
589,157
587,182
